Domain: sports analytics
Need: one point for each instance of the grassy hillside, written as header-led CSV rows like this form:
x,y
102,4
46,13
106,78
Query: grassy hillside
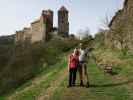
x,y
50,75
103,85
27,61
51,84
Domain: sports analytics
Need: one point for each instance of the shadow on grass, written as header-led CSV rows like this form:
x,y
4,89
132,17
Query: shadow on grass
x,y
111,85
105,85
112,73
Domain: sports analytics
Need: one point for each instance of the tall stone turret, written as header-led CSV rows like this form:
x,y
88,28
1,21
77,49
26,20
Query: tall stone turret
x,y
63,24
48,21
48,17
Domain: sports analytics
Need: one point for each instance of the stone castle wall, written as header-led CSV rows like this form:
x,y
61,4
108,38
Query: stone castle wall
x,y
41,29
19,36
38,30
27,33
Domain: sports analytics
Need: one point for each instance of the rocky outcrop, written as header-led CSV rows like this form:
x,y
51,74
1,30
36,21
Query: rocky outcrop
x,y
120,34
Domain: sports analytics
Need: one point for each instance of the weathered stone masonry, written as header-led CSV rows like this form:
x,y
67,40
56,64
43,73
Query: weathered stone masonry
x,y
63,24
40,29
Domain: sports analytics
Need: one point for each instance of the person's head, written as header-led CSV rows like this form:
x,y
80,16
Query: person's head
x,y
82,46
76,52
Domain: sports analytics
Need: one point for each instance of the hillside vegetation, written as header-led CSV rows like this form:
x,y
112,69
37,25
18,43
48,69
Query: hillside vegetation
x,y
6,43
51,83
24,63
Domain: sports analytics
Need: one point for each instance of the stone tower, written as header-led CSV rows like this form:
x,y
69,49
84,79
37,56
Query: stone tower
x,y
63,24
48,16
48,21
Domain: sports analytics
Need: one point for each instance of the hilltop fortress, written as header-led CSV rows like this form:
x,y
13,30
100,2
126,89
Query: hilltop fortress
x,y
40,29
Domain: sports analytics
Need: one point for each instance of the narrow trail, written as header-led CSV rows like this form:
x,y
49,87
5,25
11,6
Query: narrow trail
x,y
46,94
42,86
36,81
102,85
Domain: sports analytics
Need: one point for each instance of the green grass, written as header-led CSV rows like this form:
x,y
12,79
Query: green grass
x,y
20,63
102,85
59,90
1,98
33,92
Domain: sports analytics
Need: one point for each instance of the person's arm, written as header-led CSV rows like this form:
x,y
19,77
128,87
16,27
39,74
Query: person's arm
x,y
79,52
87,52
68,62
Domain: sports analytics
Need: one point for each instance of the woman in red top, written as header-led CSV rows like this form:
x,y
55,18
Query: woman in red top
x,y
72,66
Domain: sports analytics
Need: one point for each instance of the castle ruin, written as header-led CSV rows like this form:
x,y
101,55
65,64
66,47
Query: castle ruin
x,y
63,23
40,29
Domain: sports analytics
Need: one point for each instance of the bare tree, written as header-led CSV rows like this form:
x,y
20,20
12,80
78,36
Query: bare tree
x,y
105,23
83,33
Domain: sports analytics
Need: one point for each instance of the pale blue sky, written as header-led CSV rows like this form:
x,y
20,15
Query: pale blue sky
x,y
16,14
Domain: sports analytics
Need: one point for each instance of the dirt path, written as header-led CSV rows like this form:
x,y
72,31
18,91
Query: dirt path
x,y
36,81
46,94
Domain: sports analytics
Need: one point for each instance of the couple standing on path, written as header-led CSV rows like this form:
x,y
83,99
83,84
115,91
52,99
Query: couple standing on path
x,y
78,62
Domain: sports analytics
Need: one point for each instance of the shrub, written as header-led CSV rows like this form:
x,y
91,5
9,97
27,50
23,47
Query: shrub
x,y
25,62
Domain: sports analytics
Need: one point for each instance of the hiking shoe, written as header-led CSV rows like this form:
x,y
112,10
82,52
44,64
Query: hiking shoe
x,y
73,85
69,86
81,83
87,84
